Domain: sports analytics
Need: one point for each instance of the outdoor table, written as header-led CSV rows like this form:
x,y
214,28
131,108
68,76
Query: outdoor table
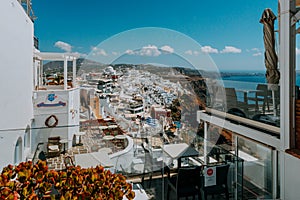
x,y
106,150
180,150
175,150
112,126
120,137
108,138
120,140
246,92
102,127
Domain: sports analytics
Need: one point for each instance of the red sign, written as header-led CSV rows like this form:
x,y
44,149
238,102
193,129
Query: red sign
x,y
210,171
210,176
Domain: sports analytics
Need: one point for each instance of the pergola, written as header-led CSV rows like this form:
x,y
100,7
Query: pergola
x,y
65,57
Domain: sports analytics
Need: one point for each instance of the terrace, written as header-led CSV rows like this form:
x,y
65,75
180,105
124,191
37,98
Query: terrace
x,y
256,101
147,159
246,116
145,156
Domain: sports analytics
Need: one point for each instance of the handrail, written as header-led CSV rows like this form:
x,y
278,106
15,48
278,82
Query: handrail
x,y
249,122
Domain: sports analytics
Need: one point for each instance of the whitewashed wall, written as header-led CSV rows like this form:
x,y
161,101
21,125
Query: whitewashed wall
x,y
16,58
67,114
73,116
292,180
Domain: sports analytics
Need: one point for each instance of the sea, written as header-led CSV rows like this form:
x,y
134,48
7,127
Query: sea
x,y
245,80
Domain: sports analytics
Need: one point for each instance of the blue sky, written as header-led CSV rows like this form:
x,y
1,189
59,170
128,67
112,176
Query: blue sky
x,y
229,31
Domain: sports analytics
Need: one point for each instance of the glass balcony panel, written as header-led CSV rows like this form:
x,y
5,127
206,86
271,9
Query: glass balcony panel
x,y
255,101
258,167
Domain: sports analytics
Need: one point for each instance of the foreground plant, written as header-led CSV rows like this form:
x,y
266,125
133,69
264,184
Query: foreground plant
x,y
27,181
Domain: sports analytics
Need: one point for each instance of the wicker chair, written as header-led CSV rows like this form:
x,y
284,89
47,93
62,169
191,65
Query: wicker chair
x,y
53,147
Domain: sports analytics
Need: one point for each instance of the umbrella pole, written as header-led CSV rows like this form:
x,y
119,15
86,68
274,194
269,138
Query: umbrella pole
x,y
273,99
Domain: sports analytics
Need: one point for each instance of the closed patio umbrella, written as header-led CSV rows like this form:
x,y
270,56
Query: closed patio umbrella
x,y
271,59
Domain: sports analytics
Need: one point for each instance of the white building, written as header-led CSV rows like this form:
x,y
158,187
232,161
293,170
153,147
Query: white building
x,y
24,107
56,107
17,45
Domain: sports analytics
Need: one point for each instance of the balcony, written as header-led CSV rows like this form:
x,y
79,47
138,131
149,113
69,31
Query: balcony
x,y
247,114
145,159
255,105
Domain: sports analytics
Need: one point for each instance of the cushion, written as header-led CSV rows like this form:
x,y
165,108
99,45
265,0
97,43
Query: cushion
x,y
53,147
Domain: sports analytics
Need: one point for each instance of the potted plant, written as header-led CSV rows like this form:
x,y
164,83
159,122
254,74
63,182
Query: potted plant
x,y
28,181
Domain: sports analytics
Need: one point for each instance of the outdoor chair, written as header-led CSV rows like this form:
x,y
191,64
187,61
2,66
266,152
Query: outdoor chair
x,y
185,183
221,186
233,106
53,147
262,96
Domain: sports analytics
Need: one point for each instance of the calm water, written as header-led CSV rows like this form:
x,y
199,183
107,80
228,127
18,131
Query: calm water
x,y
243,82
249,80
256,79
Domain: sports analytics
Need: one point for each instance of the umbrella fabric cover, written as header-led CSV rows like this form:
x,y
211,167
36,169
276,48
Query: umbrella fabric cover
x,y
271,59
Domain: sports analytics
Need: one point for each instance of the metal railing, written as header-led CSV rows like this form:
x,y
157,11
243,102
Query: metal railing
x,y
27,5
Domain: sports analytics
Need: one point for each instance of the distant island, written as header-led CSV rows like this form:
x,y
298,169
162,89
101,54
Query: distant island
x,y
241,73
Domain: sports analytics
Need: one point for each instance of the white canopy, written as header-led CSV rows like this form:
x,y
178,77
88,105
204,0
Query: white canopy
x,y
56,56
